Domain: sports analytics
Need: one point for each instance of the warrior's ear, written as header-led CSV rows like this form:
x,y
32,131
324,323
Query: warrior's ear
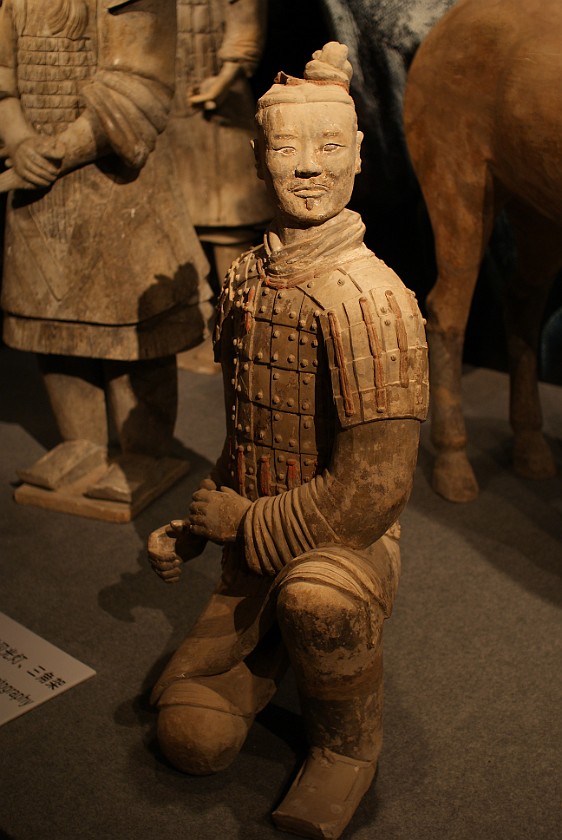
x,y
358,142
256,146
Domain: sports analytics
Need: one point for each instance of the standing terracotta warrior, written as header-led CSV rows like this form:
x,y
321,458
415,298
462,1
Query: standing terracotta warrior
x,y
212,123
325,370
103,272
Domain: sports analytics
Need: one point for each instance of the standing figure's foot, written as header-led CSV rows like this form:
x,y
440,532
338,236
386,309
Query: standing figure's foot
x,y
325,794
64,464
453,477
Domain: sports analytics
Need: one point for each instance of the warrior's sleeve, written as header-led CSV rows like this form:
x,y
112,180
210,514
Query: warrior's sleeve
x,y
131,92
377,357
244,37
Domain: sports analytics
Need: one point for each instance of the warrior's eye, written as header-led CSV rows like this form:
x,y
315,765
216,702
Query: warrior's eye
x,y
285,150
332,147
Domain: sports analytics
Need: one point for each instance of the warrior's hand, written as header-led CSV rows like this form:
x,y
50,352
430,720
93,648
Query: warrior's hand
x,y
217,514
170,547
37,161
213,90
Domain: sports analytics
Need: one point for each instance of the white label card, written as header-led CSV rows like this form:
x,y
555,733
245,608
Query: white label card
x,y
32,670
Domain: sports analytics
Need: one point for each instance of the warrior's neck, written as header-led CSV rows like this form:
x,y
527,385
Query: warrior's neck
x,y
283,235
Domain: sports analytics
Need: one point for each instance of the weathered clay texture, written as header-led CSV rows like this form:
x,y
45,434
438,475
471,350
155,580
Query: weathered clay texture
x,y
325,379
103,273
483,119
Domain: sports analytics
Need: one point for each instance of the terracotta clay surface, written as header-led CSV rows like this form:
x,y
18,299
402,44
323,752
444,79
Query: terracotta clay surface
x,y
483,120
103,275
210,131
325,381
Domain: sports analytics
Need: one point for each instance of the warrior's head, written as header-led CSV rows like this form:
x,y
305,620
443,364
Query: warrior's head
x,y
308,145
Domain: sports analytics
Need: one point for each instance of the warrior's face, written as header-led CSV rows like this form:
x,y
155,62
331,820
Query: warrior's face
x,y
308,155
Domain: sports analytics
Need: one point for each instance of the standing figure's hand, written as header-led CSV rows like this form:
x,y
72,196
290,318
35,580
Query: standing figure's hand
x,y
37,160
213,90
217,514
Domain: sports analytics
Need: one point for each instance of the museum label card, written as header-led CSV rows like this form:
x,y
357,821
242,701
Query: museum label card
x,y
32,670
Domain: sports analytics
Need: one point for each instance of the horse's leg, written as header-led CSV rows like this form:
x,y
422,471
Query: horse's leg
x,y
462,215
539,255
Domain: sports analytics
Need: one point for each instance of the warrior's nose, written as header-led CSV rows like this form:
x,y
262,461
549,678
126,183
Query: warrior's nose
x,y
308,165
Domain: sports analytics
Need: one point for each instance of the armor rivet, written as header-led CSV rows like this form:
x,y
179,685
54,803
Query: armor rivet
x,y
281,476
292,336
233,416
387,322
304,362
250,470
265,292
276,333
292,315
304,339
341,281
315,362
261,435
281,459
380,410
277,416
246,366
232,456
292,442
290,358
307,424
259,395
238,304
315,342
316,313
239,427
280,295
241,448
306,405
306,379
232,473
259,356
290,403
262,309
235,342
233,408
313,327
248,448
310,284
383,310
424,321
302,322
247,429
393,358
276,375
276,310
238,387
276,400
278,438
275,356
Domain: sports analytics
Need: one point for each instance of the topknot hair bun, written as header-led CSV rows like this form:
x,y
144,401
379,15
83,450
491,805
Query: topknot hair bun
x,y
330,64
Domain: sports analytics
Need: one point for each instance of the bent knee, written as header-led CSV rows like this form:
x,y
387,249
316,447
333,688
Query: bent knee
x,y
200,741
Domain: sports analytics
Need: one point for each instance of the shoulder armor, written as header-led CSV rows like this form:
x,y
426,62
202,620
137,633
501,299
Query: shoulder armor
x,y
375,339
244,270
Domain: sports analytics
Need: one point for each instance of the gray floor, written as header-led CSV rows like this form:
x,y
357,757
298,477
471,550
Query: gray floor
x,y
473,654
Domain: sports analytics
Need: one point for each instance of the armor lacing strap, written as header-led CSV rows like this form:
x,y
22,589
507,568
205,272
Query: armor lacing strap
x,y
376,352
349,404
249,309
241,464
293,473
265,476
401,338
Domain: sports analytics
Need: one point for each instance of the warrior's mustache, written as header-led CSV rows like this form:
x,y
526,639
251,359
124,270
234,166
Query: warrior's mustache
x,y
68,17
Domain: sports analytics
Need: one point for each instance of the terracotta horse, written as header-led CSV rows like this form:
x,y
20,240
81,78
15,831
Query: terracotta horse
x,y
483,121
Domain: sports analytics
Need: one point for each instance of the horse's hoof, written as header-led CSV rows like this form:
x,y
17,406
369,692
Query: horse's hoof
x,y
532,456
453,477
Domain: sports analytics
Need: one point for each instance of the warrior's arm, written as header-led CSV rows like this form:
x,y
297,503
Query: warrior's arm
x,y
352,503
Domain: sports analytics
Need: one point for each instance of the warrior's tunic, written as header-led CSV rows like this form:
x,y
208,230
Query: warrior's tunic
x,y
315,342
105,263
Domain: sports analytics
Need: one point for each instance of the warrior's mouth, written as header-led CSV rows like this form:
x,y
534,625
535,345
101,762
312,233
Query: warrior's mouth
x,y
309,190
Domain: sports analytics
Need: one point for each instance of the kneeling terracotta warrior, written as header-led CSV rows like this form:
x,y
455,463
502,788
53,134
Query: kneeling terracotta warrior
x,y
325,371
